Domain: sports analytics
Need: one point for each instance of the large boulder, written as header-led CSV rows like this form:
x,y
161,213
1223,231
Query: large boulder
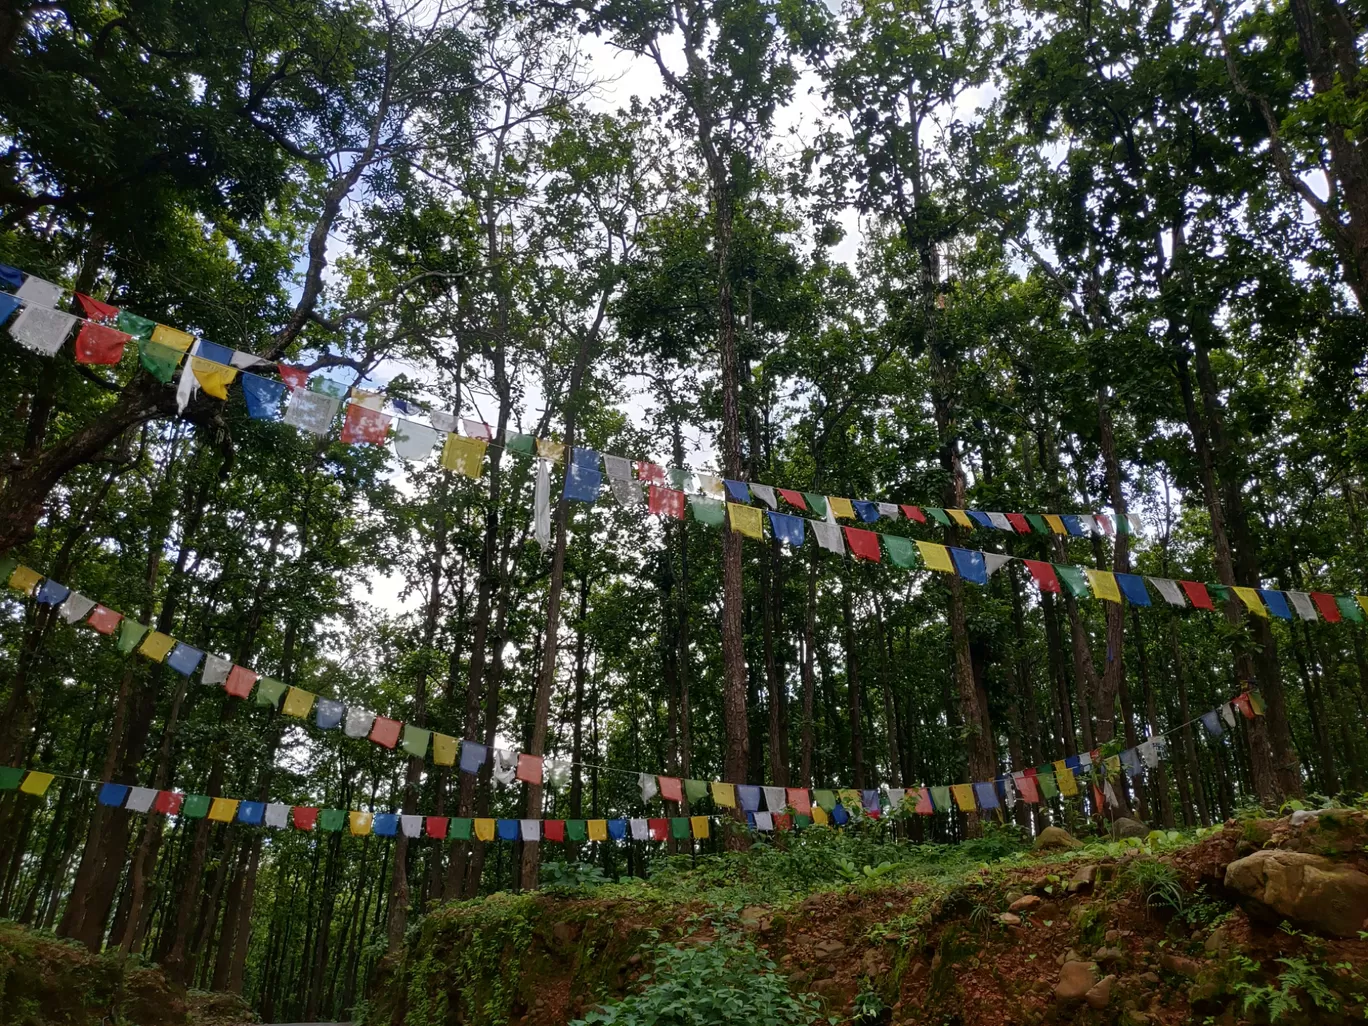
x,y
1056,837
1310,891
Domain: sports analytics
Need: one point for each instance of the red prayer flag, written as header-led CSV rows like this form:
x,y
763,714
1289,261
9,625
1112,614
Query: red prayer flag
x,y
1099,802
294,377
660,828
553,829
671,789
1044,574
1019,523
863,544
666,502
1026,784
793,498
924,806
97,343
96,310
783,821
363,425
168,803
303,817
436,826
385,731
799,800
1197,594
650,473
240,681
529,768
1326,605
104,619
1245,706
914,513
1105,522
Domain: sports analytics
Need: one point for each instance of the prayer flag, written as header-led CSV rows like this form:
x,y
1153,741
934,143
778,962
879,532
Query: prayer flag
x,y
749,796
529,768
647,784
99,312
554,830
1045,784
775,799
798,799
582,484
598,829
293,377
479,429
696,790
869,798
460,828
184,659
982,519
825,799
1302,603
746,520
328,387
650,473
112,795
793,498
901,551
25,580
158,360
359,723
195,806
994,561
1073,525
659,828
213,377
1251,600
41,329
37,291
724,794
464,455
104,619
531,829
817,503
162,335
828,535
964,797
298,703
863,544
130,633
961,518
970,566
364,426
1326,605
762,821
640,830
671,789
50,593
414,442
1197,594
839,815
1103,585
443,749
1019,523
1276,602
156,646
666,502
472,756
269,692
699,824
11,276
786,528
1026,785
1130,758
1072,578
1133,587
385,731
914,513
360,823
251,813
140,799
765,494
410,825
277,815
328,714
1064,777
385,824
541,505
550,450
986,794
484,829
263,397
710,484
1212,722
1173,594
96,343
940,799
707,511
737,491
935,557
1241,702
866,510
1104,522
514,441
223,810
304,817
415,741
820,816
75,607
168,803
311,411
1349,609
1056,524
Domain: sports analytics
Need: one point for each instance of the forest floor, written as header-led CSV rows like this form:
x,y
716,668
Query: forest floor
x,y
1140,932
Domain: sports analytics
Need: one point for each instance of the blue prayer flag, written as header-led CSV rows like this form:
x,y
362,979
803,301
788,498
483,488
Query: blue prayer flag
x,y
786,528
11,276
982,519
839,816
1133,587
386,824
1130,758
617,829
263,396
866,510
50,593
870,799
986,794
1276,602
508,829
1073,762
328,713
1073,525
582,484
214,351
251,813
1212,722
404,406
588,459
113,795
970,565
184,659
737,491
8,304
749,795
472,756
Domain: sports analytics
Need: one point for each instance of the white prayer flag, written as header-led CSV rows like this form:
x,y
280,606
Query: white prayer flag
x,y
895,797
775,799
1000,521
245,361
1009,793
995,561
765,494
764,821
414,442
541,505
140,798
828,535
215,670
1089,523
42,329
358,722
443,421
531,829
505,767
1228,714
641,830
478,429
649,788
711,485
1109,794
1302,603
277,815
889,510
39,292
76,607
412,826
555,773
309,411
1173,594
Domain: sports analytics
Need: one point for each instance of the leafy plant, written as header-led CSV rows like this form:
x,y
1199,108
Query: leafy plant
x,y
869,1005
1281,1001
1156,882
571,877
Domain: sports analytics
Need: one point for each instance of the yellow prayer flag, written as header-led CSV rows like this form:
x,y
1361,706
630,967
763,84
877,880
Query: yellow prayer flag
x,y
747,520
547,449
819,816
1250,597
36,783
223,810
213,377
484,830
598,830
850,798
1064,777
443,749
1112,766
1056,525
960,517
171,338
298,702
24,580
699,824
464,455
841,507
359,823
1103,585
1363,602
724,794
156,645
964,797
936,557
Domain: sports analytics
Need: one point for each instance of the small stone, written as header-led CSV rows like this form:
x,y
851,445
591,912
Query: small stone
x,y
1180,965
1113,936
1024,904
1075,980
1100,993
1150,977
1127,827
1218,941
1083,879
829,947
1056,837
1007,919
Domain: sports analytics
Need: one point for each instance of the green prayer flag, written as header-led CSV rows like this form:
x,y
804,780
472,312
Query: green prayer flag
x,y
574,830
7,567
696,790
459,830
10,776
270,692
902,551
416,740
817,503
139,327
525,444
332,820
1256,700
940,799
195,806
158,360
130,633
1037,523
678,478
1349,608
1073,578
326,386
801,822
1219,592
707,511
679,828
825,799
938,515
1122,524
1046,783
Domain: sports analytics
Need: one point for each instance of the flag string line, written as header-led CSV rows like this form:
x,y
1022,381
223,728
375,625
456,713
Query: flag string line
x,y
513,770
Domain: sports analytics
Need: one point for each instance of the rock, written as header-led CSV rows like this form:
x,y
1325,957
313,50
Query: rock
x,y
827,948
564,934
1150,977
1007,919
1047,910
1124,826
1112,936
1310,890
1012,895
1105,956
1100,993
1134,1018
1056,837
1218,941
1180,965
755,919
1024,904
1084,878
1075,980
